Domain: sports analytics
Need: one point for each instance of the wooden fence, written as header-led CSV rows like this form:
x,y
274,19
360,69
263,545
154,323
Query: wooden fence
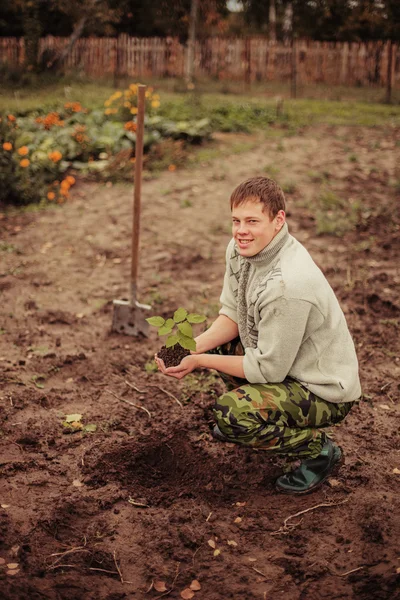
x,y
249,59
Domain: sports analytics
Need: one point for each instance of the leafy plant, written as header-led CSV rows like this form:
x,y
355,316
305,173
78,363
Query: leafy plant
x,y
73,423
178,328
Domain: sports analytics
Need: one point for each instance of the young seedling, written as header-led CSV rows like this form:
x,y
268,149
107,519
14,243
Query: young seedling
x,y
179,330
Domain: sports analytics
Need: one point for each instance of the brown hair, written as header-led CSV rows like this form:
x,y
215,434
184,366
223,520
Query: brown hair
x,y
264,189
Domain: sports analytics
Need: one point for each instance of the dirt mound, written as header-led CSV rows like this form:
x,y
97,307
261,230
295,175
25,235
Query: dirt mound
x,y
160,469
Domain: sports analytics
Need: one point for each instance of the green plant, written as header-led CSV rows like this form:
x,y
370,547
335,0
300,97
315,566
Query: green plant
x,y
178,328
289,187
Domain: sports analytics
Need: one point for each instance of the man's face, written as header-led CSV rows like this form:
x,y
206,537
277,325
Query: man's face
x,y
252,228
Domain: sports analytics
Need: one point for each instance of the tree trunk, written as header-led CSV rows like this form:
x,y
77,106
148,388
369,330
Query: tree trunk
x,y
32,33
287,26
76,34
272,21
191,42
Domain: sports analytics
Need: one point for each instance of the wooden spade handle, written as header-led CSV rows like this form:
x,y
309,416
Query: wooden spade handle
x,y
137,188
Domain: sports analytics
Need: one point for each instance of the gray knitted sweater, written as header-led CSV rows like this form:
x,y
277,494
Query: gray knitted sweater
x,y
290,322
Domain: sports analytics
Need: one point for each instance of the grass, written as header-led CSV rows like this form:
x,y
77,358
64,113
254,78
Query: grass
x,y
239,110
334,215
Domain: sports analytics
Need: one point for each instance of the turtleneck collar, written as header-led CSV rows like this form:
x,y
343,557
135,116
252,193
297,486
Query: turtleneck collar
x,y
267,254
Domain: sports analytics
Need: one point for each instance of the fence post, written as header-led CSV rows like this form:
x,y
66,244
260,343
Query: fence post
x,y
294,68
388,98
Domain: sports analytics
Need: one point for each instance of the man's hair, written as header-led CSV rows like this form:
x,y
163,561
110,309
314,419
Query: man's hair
x,y
264,189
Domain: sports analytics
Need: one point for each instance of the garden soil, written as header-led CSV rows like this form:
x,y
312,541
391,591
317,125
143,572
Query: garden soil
x,y
134,499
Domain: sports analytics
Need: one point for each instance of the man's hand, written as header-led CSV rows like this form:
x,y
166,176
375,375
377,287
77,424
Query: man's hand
x,y
187,365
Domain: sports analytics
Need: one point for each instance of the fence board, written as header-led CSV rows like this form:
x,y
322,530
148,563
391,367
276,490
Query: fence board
x,y
253,59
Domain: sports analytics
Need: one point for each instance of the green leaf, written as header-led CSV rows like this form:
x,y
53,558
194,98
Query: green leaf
x,y
72,418
156,321
186,329
195,318
187,342
90,427
171,341
164,330
167,327
180,315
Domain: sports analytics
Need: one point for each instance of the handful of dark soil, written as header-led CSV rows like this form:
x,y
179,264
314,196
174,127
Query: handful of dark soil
x,y
172,356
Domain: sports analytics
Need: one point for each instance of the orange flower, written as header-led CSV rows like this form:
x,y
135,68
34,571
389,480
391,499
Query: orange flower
x,y
51,196
7,146
23,151
134,110
65,185
130,126
74,106
64,192
11,118
53,118
25,162
55,156
172,168
71,180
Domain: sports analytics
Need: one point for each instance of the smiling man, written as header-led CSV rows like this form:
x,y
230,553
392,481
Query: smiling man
x,y
280,342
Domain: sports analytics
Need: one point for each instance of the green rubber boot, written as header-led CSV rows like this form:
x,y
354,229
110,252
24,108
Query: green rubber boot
x,y
311,472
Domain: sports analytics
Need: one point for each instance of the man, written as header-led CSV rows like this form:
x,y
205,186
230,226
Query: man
x,y
282,340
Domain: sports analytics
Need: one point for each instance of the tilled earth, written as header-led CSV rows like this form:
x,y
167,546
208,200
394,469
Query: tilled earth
x,y
148,502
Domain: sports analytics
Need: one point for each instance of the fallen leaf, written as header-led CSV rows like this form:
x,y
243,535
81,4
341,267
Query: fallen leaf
x,y
238,520
396,471
217,552
79,315
12,565
398,570
187,593
76,425
46,246
211,543
385,406
2,561
117,261
90,427
160,586
231,543
4,505
69,380
72,418
12,571
251,559
195,585
77,483
334,482
240,503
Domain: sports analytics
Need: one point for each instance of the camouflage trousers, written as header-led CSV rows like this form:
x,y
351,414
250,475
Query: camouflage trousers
x,y
284,418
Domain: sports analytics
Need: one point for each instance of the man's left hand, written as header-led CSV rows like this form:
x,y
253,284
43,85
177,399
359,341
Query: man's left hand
x,y
186,366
